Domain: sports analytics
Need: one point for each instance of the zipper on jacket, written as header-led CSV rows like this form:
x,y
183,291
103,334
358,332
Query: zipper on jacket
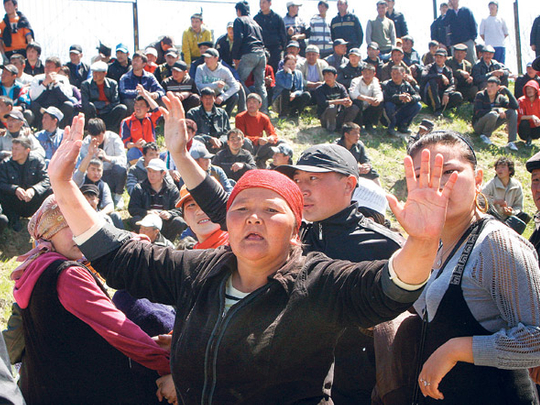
x,y
215,339
320,231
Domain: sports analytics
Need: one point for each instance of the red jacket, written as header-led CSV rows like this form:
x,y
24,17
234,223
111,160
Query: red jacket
x,y
525,105
133,129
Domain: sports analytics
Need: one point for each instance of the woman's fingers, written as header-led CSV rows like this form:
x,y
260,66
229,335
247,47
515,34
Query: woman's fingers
x,y
410,175
424,179
436,172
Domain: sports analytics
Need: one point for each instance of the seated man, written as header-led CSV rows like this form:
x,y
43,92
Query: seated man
x,y
338,59
429,57
411,57
137,173
521,81
162,45
50,136
100,97
17,126
24,183
374,59
439,90
203,158
151,65
22,77
164,70
312,69
396,59
136,77
350,140
203,47
234,159
121,65
107,147
529,113
12,88
78,70
462,71
293,48
366,93
140,127
254,124
52,89
352,69
401,102
155,195
91,192
34,65
211,121
487,67
151,226
493,107
183,86
334,107
220,79
289,96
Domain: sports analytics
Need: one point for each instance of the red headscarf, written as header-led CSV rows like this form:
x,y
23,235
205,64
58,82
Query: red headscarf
x,y
275,181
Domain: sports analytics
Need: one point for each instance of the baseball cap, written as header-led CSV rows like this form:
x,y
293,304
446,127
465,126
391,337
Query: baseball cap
x,y
209,44
11,68
210,53
284,148
374,45
494,2
460,47
293,43
198,150
122,48
230,24
340,41
99,66
151,51
355,51
18,115
325,2
329,69
324,158
172,52
397,48
157,164
53,111
151,221
75,49
179,65
293,3
312,48
104,49
427,125
489,49
89,189
441,51
184,195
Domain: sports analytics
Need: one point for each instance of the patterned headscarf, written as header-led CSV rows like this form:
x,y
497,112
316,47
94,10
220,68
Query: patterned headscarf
x,y
44,224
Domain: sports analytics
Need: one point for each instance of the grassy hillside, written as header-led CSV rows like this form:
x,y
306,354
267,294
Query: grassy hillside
x,y
385,153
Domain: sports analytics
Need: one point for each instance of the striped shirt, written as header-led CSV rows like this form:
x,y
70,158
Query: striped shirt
x,y
232,295
320,34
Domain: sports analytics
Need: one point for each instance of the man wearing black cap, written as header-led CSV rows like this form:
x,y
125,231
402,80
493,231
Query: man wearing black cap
x,y
16,127
439,90
533,166
165,69
347,26
192,36
381,29
488,67
373,58
462,71
183,86
338,59
13,89
334,107
352,69
337,228
78,70
273,32
293,48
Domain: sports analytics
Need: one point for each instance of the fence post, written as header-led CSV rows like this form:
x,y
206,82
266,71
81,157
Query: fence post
x,y
518,38
135,25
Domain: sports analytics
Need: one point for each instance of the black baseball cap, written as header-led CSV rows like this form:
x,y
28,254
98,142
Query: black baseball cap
x,y
90,189
179,65
324,158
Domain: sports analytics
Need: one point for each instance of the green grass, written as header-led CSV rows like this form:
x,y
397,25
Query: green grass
x,y
385,153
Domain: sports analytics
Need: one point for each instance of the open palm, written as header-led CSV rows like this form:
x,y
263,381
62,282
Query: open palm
x,y
62,164
176,136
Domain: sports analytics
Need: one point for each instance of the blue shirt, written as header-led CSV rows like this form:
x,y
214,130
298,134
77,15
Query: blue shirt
x,y
50,141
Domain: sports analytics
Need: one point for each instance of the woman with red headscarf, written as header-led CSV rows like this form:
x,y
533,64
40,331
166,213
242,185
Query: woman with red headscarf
x,y
257,322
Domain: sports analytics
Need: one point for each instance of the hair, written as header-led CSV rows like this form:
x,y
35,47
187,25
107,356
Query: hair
x,y
167,40
17,56
66,70
15,2
348,127
34,45
398,67
6,100
369,66
243,6
287,58
141,98
190,124
24,141
445,137
149,146
503,160
96,162
54,59
495,80
234,131
96,126
255,96
141,55
433,43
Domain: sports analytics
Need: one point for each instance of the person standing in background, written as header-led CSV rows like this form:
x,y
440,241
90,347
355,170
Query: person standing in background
x,y
463,28
494,31
398,19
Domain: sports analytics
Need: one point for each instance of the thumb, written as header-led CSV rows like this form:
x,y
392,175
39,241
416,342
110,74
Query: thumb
x,y
394,204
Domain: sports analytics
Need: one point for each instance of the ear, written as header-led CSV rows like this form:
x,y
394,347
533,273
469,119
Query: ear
x,y
350,184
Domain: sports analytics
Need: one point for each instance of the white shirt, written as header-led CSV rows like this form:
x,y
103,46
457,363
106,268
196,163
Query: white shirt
x,y
494,30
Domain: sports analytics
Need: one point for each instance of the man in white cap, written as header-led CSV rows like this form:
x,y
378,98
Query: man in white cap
x,y
297,29
157,196
100,98
151,226
50,136
152,56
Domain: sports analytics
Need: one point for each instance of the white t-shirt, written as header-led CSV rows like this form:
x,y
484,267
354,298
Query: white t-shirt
x,y
494,30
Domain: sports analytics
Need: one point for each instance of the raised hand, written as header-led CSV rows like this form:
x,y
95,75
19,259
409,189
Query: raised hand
x,y
424,213
176,135
62,164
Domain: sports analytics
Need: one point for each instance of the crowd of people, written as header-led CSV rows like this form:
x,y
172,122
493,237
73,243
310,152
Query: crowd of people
x,y
241,276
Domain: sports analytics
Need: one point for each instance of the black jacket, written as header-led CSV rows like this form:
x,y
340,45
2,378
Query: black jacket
x,y
225,159
90,94
78,74
273,29
348,28
216,125
36,70
430,72
391,91
116,70
276,345
143,195
30,174
248,37
503,100
348,72
225,50
440,31
535,34
482,72
22,23
399,22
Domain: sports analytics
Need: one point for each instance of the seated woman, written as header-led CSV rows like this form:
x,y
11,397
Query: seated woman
x,y
79,346
275,342
290,97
